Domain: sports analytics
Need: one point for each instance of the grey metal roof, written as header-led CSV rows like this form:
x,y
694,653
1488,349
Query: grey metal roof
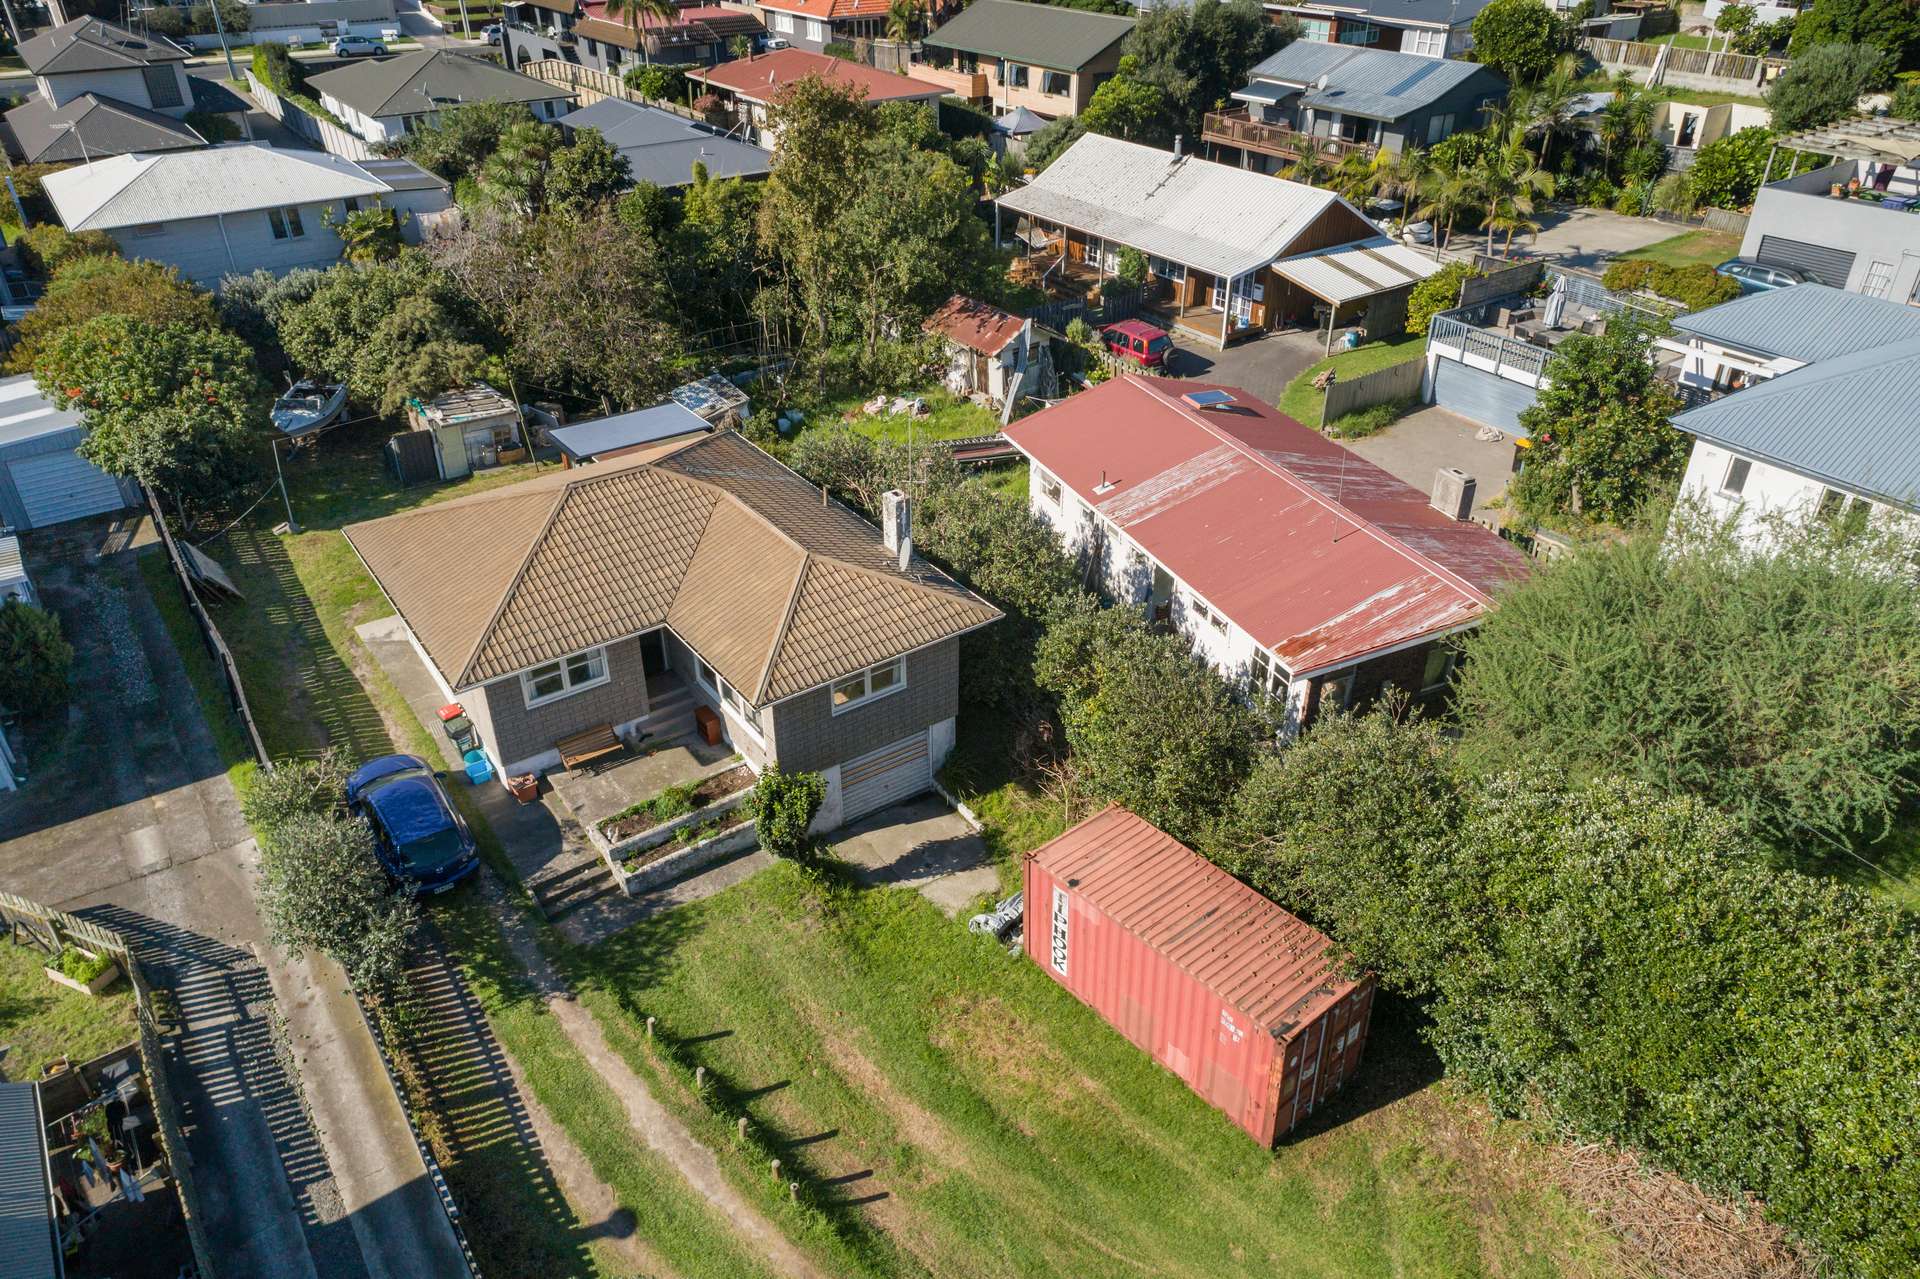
x,y
403,175
662,148
1809,323
1376,83
26,1198
428,80
1348,272
1844,421
1042,34
624,430
25,414
1431,13
88,44
104,127
1212,217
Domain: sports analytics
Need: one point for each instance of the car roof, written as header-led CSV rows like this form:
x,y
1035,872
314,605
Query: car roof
x,y
409,805
1136,328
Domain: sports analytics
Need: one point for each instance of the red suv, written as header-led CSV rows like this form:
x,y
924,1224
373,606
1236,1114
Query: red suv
x,y
1138,341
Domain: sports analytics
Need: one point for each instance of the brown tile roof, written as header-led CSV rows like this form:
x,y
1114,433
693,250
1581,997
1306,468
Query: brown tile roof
x,y
778,591
975,325
762,77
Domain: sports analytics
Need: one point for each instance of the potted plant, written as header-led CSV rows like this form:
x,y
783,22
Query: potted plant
x,y
525,787
116,1158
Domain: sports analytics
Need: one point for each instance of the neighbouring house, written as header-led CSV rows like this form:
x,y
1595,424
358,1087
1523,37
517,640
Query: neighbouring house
x,y
1253,1008
382,99
662,148
747,87
1430,28
585,34
471,429
1288,562
1216,238
812,25
1007,55
1849,223
102,90
235,209
577,600
987,349
1800,435
653,432
1336,100
43,478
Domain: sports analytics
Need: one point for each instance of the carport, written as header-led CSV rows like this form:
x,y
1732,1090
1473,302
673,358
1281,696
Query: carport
x,y
1375,272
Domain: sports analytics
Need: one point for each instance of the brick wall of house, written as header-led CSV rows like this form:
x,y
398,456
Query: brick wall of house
x,y
812,737
521,733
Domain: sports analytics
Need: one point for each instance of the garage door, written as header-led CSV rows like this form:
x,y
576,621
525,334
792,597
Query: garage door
x,y
1480,395
1829,266
887,776
63,486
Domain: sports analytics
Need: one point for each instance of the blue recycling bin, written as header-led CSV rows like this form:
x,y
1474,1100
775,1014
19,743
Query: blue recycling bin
x,y
478,769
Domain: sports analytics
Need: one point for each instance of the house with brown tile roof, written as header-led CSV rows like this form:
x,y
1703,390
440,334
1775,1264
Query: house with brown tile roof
x,y
584,597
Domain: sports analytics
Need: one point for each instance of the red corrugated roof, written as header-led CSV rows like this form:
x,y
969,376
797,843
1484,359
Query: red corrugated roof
x,y
1318,554
832,8
975,325
761,77
1271,965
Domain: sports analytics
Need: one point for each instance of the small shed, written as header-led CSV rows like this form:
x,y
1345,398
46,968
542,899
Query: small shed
x,y
986,348
714,398
14,582
43,479
664,426
1243,1001
1372,278
472,429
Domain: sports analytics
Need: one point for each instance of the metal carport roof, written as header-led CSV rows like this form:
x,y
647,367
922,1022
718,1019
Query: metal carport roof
x,y
1361,269
27,1246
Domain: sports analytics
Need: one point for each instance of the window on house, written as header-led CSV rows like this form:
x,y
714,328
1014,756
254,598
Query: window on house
x,y
783,23
1735,482
1199,609
1320,29
1163,269
163,87
1057,83
705,675
1428,44
1359,33
1439,127
1879,277
875,681
1013,74
1050,489
1336,692
146,229
286,223
816,30
743,710
1845,510
1219,624
565,677
1439,668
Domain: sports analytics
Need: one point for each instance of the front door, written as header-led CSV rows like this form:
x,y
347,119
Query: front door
x,y
653,652
1160,603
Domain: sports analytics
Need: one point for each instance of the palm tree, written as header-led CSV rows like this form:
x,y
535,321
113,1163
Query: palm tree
x,y
1352,178
1550,105
1450,194
1310,168
902,17
1507,182
636,13
1400,174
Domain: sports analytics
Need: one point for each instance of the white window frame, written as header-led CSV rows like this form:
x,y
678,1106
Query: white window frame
x,y
1427,44
867,693
729,698
1727,487
817,30
286,223
1051,490
1879,279
564,667
783,23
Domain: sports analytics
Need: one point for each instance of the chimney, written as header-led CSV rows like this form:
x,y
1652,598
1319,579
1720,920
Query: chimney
x,y
1453,493
896,525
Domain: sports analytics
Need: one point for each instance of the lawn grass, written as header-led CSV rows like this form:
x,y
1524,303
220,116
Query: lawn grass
x,y
41,1022
949,417
1010,1132
1679,41
1302,402
1691,247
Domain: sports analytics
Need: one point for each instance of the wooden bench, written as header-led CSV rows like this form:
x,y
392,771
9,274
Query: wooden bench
x,y
589,747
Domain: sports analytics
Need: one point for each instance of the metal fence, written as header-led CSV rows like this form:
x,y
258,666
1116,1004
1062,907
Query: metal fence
x,y
1498,350
1382,386
210,635
50,930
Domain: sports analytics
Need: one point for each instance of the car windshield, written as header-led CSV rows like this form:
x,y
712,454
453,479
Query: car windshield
x,y
433,851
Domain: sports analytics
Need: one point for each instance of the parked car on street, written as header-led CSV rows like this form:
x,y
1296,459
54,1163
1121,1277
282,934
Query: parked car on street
x,y
1759,277
357,47
492,32
1417,233
1138,341
418,835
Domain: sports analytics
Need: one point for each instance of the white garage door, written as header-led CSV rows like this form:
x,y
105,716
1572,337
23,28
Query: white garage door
x,y
887,776
63,486
1485,397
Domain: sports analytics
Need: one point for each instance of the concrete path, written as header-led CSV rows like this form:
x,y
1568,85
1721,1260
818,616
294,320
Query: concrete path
x,y
1584,238
921,844
130,819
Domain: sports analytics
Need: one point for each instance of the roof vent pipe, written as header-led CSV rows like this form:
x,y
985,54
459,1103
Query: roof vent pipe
x,y
896,525
1177,140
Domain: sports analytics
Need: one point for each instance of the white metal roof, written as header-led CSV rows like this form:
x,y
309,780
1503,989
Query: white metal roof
x,y
1349,272
132,190
1212,217
624,430
25,414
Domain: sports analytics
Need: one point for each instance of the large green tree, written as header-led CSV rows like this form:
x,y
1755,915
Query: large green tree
x,y
586,175
1603,442
171,405
1824,83
1519,38
36,662
1199,54
1891,26
101,284
1129,107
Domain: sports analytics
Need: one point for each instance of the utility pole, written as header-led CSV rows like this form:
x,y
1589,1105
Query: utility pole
x,y
220,29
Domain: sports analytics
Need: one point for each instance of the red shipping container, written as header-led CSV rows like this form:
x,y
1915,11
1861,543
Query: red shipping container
x,y
1242,1000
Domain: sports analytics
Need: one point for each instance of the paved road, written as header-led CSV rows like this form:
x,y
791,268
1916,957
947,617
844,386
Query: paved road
x,y
129,818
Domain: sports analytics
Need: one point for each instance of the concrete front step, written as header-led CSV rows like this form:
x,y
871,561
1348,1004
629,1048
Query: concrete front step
x,y
568,888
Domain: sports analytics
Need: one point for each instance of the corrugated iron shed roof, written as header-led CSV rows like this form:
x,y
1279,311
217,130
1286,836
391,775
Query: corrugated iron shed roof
x,y
25,414
1319,555
1435,13
1349,272
1843,421
1269,964
1209,216
600,435
975,325
1809,323
26,1207
779,590
1041,35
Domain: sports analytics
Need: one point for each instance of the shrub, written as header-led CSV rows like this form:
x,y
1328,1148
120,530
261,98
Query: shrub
x,y
44,249
783,807
274,67
1695,286
1131,268
1438,292
300,787
1823,84
36,661
658,81
211,125
1727,171
1906,100
79,967
97,284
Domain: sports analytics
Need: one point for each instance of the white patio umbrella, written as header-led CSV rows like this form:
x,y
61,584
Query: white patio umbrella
x,y
1556,302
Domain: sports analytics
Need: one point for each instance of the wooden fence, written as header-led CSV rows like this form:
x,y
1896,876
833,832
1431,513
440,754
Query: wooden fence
x,y
1116,303
590,84
1383,386
51,930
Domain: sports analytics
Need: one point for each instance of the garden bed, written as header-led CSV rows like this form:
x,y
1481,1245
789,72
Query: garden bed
x,y
673,804
679,830
689,849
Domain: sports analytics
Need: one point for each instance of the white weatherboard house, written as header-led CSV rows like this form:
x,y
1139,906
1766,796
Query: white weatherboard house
x,y
391,97
234,209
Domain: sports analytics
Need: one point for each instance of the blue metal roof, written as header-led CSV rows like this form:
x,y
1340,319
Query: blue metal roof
x,y
1376,83
1844,421
661,148
1808,322
26,1210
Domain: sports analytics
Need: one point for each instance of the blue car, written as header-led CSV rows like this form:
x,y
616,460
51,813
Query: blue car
x,y
418,836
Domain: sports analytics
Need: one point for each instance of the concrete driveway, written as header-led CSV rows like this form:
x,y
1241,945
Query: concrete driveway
x,y
921,844
1421,443
1261,366
1583,238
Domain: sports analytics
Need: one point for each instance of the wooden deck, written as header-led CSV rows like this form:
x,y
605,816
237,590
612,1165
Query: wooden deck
x,y
1237,129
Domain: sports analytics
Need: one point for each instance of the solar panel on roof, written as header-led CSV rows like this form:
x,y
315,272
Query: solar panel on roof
x,y
1208,399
